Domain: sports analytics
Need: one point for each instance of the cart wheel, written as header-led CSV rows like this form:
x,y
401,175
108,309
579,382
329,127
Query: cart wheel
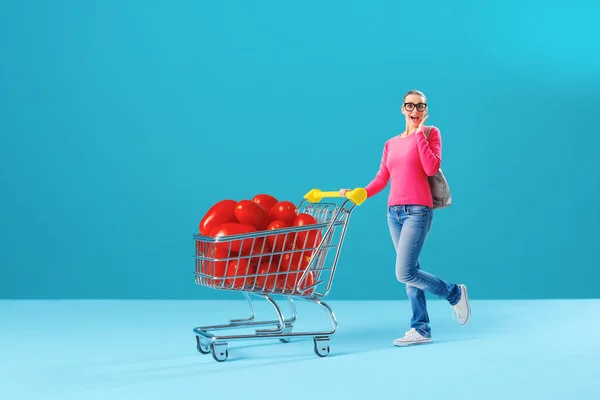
x,y
219,352
202,348
321,347
285,340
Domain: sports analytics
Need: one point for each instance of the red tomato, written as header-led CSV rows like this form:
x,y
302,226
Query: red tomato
x,y
297,261
260,250
284,211
250,213
304,219
216,266
239,269
288,282
294,264
267,282
280,241
220,213
308,281
234,228
265,201
307,239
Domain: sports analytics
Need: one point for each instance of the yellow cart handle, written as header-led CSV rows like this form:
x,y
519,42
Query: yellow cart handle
x,y
357,196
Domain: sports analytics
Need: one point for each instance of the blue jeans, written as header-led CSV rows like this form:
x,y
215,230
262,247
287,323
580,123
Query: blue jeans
x,y
409,226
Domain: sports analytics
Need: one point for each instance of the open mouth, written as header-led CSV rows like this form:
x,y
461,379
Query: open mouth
x,y
414,119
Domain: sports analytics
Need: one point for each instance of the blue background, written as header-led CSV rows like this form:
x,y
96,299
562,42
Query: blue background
x,y
122,121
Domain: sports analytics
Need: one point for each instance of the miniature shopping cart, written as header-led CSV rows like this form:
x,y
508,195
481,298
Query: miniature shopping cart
x,y
296,262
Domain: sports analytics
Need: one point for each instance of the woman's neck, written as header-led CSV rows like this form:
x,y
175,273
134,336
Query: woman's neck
x,y
409,131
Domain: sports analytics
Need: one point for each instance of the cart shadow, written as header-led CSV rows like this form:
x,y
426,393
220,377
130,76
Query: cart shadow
x,y
268,353
350,341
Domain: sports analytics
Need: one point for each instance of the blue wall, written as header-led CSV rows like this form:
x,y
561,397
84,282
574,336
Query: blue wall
x,y
123,121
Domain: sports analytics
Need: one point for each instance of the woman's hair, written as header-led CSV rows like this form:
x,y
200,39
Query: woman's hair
x,y
417,92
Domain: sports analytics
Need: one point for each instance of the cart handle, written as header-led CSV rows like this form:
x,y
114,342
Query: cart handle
x,y
357,196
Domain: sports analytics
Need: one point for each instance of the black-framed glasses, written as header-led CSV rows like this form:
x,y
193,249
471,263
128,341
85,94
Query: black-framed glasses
x,y
411,106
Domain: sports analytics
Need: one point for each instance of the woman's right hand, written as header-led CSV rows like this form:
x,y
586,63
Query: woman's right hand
x,y
343,192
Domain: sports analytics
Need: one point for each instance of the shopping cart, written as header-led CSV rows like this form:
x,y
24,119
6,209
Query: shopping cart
x,y
297,262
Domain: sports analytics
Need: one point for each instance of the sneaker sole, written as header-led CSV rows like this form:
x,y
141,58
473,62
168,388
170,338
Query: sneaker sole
x,y
406,344
468,305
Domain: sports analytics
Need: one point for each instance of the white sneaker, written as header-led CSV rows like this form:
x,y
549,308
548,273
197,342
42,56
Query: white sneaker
x,y
462,308
411,337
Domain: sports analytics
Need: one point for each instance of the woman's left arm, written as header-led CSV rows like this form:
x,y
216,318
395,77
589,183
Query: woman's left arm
x,y
430,151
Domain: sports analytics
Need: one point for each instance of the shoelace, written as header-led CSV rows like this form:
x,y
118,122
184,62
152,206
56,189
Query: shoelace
x,y
458,311
409,334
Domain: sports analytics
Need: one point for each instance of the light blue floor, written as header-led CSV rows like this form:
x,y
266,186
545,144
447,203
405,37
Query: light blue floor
x,y
146,350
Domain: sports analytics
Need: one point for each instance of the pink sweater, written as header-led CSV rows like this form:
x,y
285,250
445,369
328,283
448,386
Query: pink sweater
x,y
408,162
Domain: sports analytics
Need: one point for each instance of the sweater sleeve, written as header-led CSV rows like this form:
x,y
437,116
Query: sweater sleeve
x,y
430,151
381,178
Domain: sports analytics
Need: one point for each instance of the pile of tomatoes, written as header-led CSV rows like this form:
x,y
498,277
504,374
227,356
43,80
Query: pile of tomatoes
x,y
262,213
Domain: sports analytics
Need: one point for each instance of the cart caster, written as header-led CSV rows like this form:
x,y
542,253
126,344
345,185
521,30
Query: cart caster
x,y
219,352
202,347
321,346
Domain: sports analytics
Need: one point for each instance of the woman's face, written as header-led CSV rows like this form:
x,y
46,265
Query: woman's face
x,y
414,108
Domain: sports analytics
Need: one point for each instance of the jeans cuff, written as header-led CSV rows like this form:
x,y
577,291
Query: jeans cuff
x,y
454,295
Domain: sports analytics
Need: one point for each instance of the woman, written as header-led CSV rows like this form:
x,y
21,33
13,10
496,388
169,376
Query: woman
x,y
408,160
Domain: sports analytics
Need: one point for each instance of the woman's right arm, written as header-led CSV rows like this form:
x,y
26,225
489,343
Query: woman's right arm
x,y
381,178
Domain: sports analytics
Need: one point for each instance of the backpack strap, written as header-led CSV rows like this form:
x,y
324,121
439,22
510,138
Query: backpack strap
x,y
427,132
